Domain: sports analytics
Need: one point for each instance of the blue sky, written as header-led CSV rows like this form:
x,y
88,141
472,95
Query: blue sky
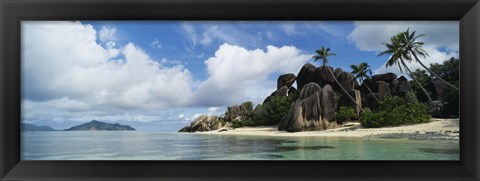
x,y
160,75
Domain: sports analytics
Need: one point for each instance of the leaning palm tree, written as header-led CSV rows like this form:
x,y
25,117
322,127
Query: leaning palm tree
x,y
323,54
414,48
398,56
362,72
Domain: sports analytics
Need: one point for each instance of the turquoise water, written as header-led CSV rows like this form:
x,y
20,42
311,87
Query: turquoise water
x,y
138,145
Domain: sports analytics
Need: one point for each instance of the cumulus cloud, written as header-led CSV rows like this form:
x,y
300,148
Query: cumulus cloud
x,y
107,34
234,70
441,40
67,75
64,67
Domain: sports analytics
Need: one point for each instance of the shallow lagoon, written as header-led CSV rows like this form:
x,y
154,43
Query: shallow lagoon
x,y
139,145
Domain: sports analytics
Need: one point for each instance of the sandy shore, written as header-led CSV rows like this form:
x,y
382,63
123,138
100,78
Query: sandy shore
x,y
436,129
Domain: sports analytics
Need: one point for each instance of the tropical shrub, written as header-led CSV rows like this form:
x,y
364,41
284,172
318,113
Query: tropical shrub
x,y
345,114
395,111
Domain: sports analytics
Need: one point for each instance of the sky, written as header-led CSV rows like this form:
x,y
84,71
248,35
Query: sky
x,y
161,75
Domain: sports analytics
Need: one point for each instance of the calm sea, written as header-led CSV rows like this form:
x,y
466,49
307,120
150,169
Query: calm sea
x,y
138,145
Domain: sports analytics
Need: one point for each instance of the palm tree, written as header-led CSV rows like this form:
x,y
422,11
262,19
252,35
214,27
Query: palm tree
x,y
323,54
361,72
414,48
398,56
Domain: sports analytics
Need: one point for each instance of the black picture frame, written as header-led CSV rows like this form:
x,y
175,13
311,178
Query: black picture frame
x,y
12,12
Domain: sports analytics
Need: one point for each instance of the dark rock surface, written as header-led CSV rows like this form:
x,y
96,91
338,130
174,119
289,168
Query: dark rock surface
x,y
370,101
203,123
313,110
387,77
345,101
347,80
286,80
383,89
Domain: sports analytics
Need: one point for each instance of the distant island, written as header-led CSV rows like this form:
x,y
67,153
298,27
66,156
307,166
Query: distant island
x,y
100,126
32,127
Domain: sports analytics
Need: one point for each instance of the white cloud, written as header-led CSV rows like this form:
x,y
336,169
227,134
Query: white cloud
x,y
237,74
63,67
67,75
209,34
441,40
107,34
156,44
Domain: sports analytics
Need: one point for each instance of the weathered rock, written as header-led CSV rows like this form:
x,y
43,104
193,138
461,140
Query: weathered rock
x,y
286,80
347,80
328,104
438,89
402,78
281,91
308,113
401,88
305,75
370,84
337,72
309,73
345,101
387,77
238,110
370,101
383,89
293,91
323,77
203,123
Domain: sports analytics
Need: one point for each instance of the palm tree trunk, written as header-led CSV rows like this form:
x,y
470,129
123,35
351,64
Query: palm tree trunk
x,y
436,75
415,79
346,92
372,93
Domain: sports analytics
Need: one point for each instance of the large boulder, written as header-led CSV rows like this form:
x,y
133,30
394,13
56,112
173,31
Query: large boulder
x,y
345,101
370,102
370,84
313,110
337,72
306,75
383,88
401,88
438,89
203,123
286,80
387,77
347,80
309,73
238,110
323,76
328,105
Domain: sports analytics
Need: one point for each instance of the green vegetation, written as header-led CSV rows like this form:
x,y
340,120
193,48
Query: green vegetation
x,y
345,114
270,113
448,71
396,111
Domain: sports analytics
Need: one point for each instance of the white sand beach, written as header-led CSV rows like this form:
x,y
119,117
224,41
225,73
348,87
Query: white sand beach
x,y
436,129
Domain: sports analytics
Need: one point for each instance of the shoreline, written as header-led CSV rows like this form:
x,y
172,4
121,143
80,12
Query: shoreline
x,y
444,129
